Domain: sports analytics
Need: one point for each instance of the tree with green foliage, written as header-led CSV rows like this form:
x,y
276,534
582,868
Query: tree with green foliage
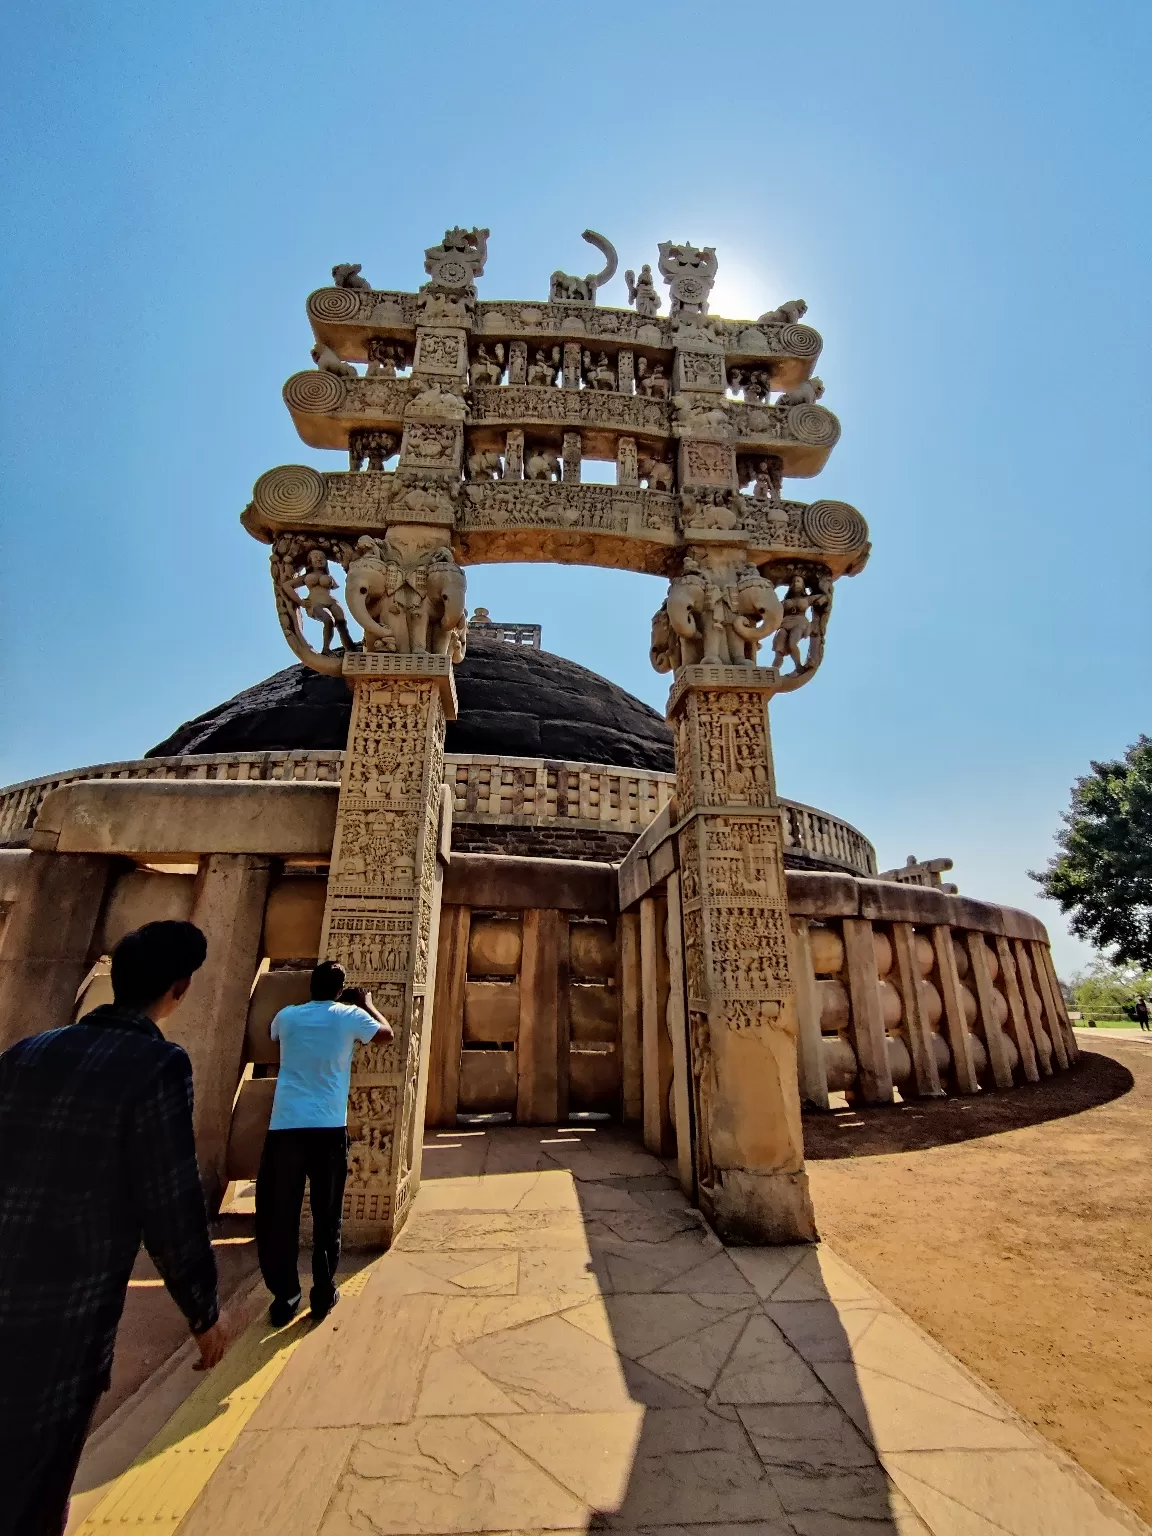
x,y
1105,991
1103,873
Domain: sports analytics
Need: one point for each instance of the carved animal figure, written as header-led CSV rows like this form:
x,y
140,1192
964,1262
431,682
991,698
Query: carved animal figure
x,y
642,292
347,275
488,369
417,607
485,466
385,358
327,362
541,371
582,290
657,472
599,375
369,443
788,314
804,394
542,464
651,381
720,619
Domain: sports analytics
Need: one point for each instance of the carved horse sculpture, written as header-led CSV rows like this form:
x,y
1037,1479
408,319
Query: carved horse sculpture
x,y
582,290
413,608
702,621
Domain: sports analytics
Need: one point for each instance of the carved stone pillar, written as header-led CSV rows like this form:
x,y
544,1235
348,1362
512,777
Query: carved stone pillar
x,y
626,371
518,362
228,907
514,454
742,1018
573,453
381,914
627,462
571,365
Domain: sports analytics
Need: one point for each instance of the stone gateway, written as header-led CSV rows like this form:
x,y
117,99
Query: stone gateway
x,y
564,905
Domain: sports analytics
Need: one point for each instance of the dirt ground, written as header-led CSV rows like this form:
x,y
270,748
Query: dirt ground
x,y
1016,1229
152,1326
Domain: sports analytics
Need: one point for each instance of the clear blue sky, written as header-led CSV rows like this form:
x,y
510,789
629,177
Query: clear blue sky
x,y
960,191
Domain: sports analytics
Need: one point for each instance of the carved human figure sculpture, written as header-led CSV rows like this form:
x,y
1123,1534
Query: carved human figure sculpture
x,y
319,602
651,380
794,624
544,368
599,374
488,367
642,292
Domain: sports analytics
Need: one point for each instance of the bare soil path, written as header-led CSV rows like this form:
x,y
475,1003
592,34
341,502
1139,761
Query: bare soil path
x,y
1017,1230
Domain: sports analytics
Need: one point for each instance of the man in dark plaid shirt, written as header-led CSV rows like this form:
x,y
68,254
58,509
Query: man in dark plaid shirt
x,y
96,1153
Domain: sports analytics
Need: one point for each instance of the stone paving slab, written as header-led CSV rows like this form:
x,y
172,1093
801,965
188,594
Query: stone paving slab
x,y
558,1343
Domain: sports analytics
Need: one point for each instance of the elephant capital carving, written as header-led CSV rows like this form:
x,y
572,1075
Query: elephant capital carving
x,y
714,618
413,606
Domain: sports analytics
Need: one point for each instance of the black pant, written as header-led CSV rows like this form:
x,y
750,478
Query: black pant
x,y
290,1157
38,1466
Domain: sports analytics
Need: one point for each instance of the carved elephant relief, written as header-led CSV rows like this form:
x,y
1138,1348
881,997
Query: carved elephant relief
x,y
714,620
419,608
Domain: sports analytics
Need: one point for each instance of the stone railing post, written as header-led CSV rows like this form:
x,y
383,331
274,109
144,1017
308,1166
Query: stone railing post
x,y
381,917
749,1152
228,903
47,941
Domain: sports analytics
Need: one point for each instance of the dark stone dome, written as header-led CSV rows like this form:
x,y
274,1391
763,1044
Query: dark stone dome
x,y
514,702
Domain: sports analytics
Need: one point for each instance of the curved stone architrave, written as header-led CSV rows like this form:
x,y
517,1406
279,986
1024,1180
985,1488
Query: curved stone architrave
x,y
346,319
326,408
616,527
533,406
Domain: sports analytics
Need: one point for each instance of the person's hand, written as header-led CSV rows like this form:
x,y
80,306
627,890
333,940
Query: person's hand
x,y
212,1344
355,995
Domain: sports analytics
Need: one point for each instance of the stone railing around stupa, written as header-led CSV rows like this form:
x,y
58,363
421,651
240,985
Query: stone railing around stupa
x,y
501,793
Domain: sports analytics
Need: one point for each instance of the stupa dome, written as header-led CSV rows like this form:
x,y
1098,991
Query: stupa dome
x,y
515,701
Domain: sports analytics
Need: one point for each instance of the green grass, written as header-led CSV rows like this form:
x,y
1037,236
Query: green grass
x,y
1109,1024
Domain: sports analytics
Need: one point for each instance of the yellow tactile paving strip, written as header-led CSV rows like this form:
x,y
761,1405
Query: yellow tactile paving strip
x,y
168,1476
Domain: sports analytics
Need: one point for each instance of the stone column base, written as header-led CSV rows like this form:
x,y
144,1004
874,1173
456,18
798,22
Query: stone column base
x,y
750,1209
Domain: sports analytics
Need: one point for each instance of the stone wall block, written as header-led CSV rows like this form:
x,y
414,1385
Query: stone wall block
x,y
629,987
542,1072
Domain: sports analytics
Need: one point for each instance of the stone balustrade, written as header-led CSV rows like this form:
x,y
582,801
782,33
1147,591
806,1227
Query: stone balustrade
x,y
497,792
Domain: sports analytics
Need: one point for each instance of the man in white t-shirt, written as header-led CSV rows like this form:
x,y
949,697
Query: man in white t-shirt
x,y
308,1139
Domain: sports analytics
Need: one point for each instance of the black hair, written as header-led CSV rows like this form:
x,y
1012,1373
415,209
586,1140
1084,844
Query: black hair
x,y
327,982
150,960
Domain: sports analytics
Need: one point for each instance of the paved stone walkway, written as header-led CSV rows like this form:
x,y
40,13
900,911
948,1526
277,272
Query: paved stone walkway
x,y
557,1342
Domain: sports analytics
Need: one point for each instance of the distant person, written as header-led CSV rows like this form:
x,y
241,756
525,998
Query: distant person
x,y
96,1153
308,1138
1141,1012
